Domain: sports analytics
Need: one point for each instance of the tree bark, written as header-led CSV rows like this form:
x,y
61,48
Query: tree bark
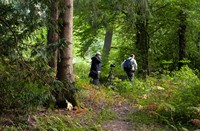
x,y
52,36
142,43
65,66
182,37
107,45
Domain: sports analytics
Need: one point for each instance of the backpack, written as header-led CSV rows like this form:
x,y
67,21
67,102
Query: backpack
x,y
127,65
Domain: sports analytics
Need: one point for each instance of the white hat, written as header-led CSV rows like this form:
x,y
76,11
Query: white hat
x,y
98,53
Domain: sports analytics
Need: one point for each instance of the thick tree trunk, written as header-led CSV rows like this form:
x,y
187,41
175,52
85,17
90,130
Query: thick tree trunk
x,y
182,38
107,45
142,43
52,36
65,66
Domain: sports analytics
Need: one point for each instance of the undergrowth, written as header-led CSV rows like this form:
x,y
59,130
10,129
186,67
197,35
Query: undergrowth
x,y
20,89
94,109
170,99
173,99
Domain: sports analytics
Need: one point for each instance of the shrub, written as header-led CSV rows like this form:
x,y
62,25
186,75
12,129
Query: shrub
x,y
186,76
81,70
173,99
22,88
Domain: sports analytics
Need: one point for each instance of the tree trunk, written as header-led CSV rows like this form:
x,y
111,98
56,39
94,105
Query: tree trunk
x,y
107,45
182,38
65,66
52,36
142,43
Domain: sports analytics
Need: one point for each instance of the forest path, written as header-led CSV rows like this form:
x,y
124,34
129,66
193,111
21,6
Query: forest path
x,y
124,122
121,121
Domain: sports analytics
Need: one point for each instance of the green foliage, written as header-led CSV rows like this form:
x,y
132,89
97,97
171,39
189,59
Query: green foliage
x,y
186,76
81,69
173,100
141,116
25,76
57,123
181,107
166,64
92,19
21,89
124,87
8,128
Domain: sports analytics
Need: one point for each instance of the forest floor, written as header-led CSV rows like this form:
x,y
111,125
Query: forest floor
x,y
123,122
100,110
124,110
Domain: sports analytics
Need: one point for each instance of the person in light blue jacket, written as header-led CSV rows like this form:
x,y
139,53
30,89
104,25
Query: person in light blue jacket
x,y
132,67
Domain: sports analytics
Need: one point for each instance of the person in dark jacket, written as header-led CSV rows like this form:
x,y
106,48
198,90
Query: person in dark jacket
x,y
95,68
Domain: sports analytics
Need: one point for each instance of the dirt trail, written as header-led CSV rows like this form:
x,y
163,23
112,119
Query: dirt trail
x,y
121,122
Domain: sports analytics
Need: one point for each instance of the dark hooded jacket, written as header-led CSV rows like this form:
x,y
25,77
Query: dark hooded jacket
x,y
95,67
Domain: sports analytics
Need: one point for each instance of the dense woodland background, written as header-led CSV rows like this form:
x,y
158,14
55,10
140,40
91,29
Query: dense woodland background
x,y
45,51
